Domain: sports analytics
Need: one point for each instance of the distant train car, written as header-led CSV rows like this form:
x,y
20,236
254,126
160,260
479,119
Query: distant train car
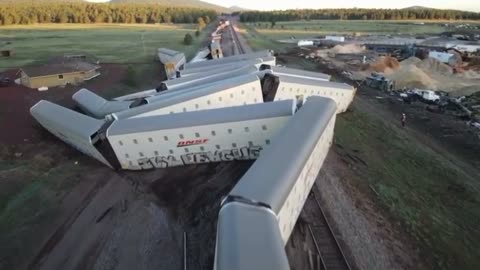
x,y
257,62
230,59
234,133
301,88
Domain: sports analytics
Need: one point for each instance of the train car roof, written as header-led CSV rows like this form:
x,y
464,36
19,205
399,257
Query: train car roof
x,y
300,73
208,76
314,82
248,237
220,61
161,101
221,67
97,106
271,178
201,118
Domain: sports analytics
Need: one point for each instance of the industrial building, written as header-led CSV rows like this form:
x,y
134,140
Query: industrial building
x,y
58,74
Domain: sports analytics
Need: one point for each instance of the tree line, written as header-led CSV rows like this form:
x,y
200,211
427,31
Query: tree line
x,y
80,12
357,14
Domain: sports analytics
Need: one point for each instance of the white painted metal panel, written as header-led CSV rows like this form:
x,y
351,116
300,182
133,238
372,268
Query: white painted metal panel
x,y
97,106
441,56
190,138
248,238
301,89
73,128
285,172
291,209
238,91
299,73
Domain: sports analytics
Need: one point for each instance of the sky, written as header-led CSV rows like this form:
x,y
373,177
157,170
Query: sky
x,y
469,5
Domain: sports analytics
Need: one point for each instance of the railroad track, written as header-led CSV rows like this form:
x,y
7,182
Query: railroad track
x,y
240,48
331,255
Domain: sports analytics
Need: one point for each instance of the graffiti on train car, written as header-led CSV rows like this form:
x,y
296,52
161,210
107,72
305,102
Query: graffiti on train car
x,y
244,153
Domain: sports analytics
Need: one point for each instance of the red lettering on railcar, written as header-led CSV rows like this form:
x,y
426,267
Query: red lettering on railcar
x,y
191,142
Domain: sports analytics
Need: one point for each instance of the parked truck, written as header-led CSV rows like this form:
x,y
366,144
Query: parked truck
x,y
380,82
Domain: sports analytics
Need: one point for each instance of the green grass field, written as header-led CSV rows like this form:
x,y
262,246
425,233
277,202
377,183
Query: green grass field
x,y
108,43
336,27
261,36
434,201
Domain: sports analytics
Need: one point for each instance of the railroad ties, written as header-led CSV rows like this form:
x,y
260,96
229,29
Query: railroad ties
x,y
325,241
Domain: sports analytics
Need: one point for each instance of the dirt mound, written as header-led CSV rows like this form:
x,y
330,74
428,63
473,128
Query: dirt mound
x,y
410,61
410,76
349,48
433,65
470,74
385,64
465,91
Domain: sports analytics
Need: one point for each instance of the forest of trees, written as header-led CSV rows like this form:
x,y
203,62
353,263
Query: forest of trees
x,y
357,14
28,13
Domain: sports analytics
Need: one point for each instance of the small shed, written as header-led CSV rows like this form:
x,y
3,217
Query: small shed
x,y
7,53
58,74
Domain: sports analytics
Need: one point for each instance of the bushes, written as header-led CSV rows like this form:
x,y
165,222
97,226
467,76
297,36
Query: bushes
x,y
188,39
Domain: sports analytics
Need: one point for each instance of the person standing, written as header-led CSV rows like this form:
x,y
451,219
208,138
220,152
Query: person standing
x,y
404,119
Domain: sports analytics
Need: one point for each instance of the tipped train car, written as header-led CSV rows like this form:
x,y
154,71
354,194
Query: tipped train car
x,y
258,215
233,133
238,91
291,87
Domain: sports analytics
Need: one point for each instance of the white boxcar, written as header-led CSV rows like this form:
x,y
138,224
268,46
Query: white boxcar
x,y
335,38
207,77
76,129
299,73
240,90
97,106
301,43
282,177
446,58
230,59
234,133
271,61
302,88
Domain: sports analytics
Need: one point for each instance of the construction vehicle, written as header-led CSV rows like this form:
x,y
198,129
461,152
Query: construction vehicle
x,y
380,82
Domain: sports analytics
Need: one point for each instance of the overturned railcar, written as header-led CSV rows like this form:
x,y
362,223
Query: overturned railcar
x,y
232,133
241,90
271,194
231,59
98,107
291,87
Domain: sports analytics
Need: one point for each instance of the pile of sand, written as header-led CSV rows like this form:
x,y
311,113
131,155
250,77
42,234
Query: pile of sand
x,y
410,61
385,64
433,65
465,91
410,76
349,48
470,74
